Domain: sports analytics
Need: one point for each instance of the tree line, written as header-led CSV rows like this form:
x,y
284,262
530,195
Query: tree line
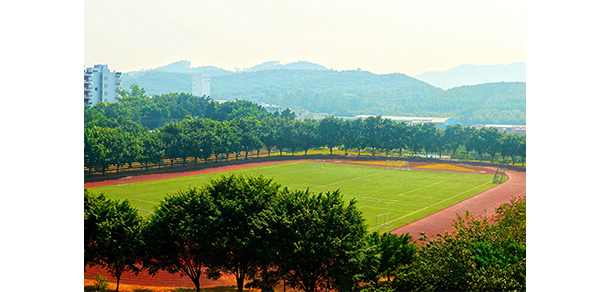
x,y
202,139
265,234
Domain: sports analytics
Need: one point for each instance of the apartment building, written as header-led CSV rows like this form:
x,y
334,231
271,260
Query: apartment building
x,y
100,84
201,84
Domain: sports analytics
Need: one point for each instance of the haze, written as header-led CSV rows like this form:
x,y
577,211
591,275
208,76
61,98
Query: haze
x,y
410,37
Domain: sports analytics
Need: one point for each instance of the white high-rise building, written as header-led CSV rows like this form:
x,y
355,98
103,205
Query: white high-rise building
x,y
201,84
101,85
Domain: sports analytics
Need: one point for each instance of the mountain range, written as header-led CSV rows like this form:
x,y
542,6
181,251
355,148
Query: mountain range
x,y
312,87
473,75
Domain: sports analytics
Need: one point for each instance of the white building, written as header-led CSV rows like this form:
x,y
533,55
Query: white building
x,y
441,123
201,84
508,129
101,85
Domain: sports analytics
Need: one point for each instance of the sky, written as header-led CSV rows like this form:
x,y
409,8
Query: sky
x,y
410,37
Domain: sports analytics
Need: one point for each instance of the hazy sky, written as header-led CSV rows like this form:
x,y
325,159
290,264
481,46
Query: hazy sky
x,y
408,37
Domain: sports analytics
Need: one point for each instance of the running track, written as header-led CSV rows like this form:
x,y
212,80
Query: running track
x,y
437,223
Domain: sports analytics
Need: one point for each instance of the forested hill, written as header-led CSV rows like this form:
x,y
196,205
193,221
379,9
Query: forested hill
x,y
350,93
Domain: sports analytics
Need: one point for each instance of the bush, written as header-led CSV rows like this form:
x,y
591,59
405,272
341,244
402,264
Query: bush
x,y
100,284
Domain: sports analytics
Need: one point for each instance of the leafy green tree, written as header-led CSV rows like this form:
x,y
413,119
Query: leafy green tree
x,y
329,131
152,148
352,134
118,226
372,132
491,138
522,148
396,251
306,134
99,144
243,202
391,252
174,136
286,135
428,136
250,128
229,140
481,254
204,138
95,211
269,134
317,241
453,138
470,140
180,236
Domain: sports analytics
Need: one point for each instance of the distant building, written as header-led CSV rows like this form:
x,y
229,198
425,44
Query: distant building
x,y
272,108
201,84
440,123
101,85
508,129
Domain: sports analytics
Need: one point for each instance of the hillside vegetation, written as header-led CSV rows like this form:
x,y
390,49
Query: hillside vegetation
x,y
350,93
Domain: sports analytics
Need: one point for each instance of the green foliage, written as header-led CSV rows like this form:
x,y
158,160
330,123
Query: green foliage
x,y
350,93
482,254
180,236
99,285
242,229
317,241
113,235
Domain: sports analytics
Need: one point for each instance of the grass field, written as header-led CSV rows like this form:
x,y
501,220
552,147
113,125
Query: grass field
x,y
406,195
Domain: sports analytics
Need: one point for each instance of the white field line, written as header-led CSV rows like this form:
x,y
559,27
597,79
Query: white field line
x,y
437,203
438,182
395,202
381,208
142,200
351,179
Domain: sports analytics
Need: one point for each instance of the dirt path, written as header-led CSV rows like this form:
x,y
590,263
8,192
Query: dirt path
x,y
485,202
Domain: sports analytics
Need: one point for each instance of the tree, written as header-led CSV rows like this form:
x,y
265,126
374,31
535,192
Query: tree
x,y
306,134
481,254
204,138
286,135
251,134
372,132
491,139
391,252
95,212
269,133
352,134
453,137
243,202
152,148
99,142
115,236
180,235
317,241
329,131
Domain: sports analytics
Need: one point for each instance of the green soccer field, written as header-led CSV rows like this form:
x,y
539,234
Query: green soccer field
x,y
389,198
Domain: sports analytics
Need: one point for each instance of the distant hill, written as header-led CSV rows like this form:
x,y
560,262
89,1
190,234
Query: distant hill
x,y
472,75
348,93
183,67
276,65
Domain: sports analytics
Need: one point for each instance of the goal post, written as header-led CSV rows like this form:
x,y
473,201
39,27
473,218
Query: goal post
x,y
499,175
382,221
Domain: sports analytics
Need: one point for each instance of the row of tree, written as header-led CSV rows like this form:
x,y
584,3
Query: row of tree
x,y
263,233
203,138
250,227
